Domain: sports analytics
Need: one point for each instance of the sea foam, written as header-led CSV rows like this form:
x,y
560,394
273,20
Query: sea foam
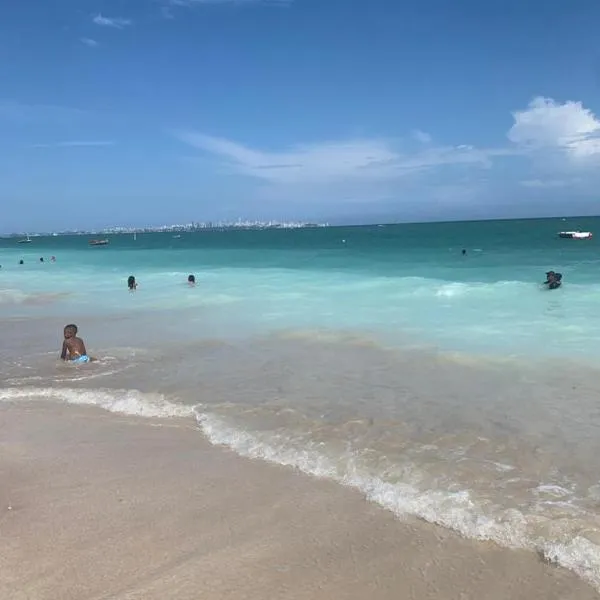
x,y
454,510
127,402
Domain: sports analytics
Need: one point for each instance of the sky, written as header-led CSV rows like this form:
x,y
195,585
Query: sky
x,y
144,112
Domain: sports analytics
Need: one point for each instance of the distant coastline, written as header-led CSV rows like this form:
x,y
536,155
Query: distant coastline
x,y
187,228
262,225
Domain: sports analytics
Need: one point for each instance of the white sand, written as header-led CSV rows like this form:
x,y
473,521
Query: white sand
x,y
105,507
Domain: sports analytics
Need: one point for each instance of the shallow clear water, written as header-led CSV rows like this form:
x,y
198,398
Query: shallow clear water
x,y
454,388
407,284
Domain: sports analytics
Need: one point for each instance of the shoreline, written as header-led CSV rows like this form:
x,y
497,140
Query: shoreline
x,y
110,506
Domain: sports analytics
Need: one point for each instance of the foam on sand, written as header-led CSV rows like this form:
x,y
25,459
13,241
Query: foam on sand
x,y
454,510
127,402
110,508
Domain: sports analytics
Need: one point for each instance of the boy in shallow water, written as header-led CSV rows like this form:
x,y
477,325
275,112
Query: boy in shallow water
x,y
73,348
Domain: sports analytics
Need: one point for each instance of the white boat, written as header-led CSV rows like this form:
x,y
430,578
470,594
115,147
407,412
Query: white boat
x,y
575,235
25,241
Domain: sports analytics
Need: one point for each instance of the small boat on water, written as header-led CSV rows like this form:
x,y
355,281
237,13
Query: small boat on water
x,y
98,242
575,235
25,241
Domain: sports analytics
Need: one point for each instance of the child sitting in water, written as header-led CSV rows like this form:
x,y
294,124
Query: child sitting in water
x,y
73,348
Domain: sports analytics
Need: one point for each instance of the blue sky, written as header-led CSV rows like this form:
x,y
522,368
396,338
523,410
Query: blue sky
x,y
159,111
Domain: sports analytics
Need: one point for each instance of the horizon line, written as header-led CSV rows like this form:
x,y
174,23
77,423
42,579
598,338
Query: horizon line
x,y
308,225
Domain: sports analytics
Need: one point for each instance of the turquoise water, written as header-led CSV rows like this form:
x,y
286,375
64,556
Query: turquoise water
x,y
451,388
408,284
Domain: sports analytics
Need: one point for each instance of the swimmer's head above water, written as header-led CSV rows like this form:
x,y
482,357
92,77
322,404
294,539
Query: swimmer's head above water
x,y
131,283
553,280
191,279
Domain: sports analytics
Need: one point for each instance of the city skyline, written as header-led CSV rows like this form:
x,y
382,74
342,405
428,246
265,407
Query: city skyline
x,y
192,226
198,226
336,111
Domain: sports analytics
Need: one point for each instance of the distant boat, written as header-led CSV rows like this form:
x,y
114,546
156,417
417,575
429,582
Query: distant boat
x,y
176,237
25,241
575,235
98,242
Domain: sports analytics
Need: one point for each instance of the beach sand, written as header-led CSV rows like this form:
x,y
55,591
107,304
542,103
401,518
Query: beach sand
x,y
109,507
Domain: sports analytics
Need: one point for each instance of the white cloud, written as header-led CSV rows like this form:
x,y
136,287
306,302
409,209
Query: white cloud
x,y
548,125
88,42
74,144
421,136
331,161
116,22
417,168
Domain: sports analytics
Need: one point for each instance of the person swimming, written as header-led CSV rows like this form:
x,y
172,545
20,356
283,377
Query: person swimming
x,y
41,259
73,348
553,280
132,283
191,280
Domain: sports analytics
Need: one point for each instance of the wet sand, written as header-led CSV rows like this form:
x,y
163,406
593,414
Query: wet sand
x,y
108,507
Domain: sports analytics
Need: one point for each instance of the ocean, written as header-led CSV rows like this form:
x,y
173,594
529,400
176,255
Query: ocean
x,y
447,387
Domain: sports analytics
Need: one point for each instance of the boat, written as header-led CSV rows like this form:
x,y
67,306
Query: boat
x,y
98,242
25,241
575,235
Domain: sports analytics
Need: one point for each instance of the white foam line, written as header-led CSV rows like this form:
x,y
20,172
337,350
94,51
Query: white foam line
x,y
127,402
453,510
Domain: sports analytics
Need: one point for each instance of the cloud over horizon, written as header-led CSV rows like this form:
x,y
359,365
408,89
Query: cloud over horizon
x,y
344,169
365,159
548,125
